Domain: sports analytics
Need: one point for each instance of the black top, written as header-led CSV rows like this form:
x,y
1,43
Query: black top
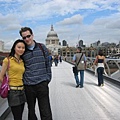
x,y
100,60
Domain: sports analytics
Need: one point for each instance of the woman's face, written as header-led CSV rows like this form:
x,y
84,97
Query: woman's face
x,y
19,48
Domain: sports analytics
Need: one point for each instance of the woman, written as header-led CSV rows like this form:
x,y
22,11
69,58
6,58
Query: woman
x,y
100,61
16,96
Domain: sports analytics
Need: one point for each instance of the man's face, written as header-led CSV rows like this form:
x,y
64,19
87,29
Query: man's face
x,y
27,37
78,50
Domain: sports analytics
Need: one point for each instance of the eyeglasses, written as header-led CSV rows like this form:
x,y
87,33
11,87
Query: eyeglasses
x,y
28,36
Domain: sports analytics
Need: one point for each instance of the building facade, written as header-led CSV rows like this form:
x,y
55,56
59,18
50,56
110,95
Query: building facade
x,y
52,42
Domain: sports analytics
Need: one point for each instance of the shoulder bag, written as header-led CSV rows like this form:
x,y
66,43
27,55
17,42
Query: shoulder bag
x,y
4,88
75,71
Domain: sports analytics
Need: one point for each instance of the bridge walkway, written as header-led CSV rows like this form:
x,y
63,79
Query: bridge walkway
x,y
88,103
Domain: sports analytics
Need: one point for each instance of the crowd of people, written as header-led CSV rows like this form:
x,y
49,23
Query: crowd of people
x,y
55,59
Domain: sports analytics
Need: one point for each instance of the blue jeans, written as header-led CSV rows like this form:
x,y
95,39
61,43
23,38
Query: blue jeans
x,y
100,71
81,81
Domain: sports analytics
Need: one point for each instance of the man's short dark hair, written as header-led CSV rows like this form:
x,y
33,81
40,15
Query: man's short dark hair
x,y
79,48
24,29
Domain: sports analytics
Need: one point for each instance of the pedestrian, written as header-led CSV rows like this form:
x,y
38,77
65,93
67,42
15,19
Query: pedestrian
x,y
79,60
50,59
99,62
37,76
16,95
56,60
60,58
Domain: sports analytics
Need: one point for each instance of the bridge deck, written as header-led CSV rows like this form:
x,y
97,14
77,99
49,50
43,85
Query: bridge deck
x,y
88,103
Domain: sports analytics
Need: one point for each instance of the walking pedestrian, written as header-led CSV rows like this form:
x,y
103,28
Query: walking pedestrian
x,y
80,61
100,61
56,60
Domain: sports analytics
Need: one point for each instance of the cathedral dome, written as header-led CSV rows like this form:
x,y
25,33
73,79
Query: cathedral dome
x,y
52,34
52,37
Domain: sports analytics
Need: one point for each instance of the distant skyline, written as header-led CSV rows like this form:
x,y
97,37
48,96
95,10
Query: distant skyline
x,y
73,20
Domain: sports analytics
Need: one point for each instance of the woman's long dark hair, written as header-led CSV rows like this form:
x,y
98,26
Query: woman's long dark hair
x,y
12,53
100,53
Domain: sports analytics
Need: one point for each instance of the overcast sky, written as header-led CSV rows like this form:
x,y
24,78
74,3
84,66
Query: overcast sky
x,y
73,20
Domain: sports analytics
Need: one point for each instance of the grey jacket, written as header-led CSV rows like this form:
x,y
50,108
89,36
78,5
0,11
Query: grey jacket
x,y
81,65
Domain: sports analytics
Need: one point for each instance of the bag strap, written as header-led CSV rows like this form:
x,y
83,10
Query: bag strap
x,y
79,59
43,52
41,49
8,66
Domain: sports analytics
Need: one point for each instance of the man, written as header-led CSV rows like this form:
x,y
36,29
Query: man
x,y
37,76
80,61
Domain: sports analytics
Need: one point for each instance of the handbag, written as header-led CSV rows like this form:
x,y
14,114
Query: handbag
x,y
4,88
75,71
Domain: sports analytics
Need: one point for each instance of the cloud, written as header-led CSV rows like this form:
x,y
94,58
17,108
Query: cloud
x,y
8,19
71,18
76,19
8,44
111,22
